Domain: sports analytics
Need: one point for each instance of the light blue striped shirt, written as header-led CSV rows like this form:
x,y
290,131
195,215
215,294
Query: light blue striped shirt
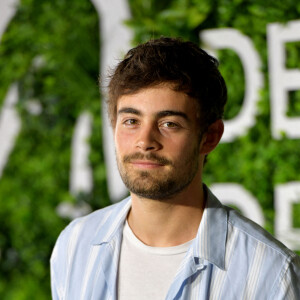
x,y
230,258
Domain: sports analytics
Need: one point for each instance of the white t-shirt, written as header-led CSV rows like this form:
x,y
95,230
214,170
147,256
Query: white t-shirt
x,y
146,273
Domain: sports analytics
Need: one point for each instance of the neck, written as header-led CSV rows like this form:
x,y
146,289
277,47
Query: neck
x,y
171,222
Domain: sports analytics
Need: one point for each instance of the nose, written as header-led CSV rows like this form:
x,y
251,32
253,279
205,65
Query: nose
x,y
148,139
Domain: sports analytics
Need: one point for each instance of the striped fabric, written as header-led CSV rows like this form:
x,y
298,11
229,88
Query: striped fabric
x,y
231,258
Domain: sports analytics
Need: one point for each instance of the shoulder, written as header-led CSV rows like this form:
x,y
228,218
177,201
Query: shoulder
x,y
269,263
83,230
256,235
88,225
256,260
73,248
264,252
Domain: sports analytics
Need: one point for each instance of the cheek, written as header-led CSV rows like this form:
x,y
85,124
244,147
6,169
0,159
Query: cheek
x,y
177,147
123,141
183,147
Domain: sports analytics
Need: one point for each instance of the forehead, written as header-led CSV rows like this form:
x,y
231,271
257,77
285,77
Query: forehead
x,y
158,98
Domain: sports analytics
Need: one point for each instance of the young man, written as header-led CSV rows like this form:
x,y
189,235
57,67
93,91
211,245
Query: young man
x,y
171,239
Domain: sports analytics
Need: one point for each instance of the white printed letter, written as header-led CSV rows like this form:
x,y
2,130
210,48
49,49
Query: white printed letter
x,y
115,37
235,194
282,80
242,45
285,196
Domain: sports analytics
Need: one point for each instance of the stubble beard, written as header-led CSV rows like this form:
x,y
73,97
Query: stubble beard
x,y
158,184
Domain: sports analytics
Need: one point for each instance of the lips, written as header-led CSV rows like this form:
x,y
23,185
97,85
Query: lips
x,y
147,164
150,159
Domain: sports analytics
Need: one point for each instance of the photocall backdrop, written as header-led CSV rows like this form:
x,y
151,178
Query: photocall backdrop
x,y
56,150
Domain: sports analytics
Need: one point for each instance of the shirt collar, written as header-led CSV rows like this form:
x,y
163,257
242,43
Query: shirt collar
x,y
113,223
210,242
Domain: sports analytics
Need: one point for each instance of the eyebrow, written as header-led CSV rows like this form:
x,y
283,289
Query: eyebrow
x,y
166,113
129,110
161,114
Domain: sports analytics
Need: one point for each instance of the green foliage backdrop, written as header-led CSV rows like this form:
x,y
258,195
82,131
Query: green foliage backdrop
x,y
51,48
55,60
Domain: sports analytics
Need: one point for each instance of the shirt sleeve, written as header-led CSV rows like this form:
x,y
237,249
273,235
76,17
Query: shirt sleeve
x,y
289,281
58,268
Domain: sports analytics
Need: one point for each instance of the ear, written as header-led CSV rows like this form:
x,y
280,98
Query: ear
x,y
212,137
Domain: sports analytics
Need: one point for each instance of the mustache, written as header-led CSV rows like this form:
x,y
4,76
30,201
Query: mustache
x,y
150,156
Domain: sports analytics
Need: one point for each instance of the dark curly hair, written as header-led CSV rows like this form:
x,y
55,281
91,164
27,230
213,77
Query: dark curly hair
x,y
182,64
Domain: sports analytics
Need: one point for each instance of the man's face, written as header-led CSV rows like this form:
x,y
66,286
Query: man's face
x,y
157,142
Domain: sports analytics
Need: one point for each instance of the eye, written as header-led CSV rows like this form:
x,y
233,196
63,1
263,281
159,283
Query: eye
x,y
130,122
170,125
